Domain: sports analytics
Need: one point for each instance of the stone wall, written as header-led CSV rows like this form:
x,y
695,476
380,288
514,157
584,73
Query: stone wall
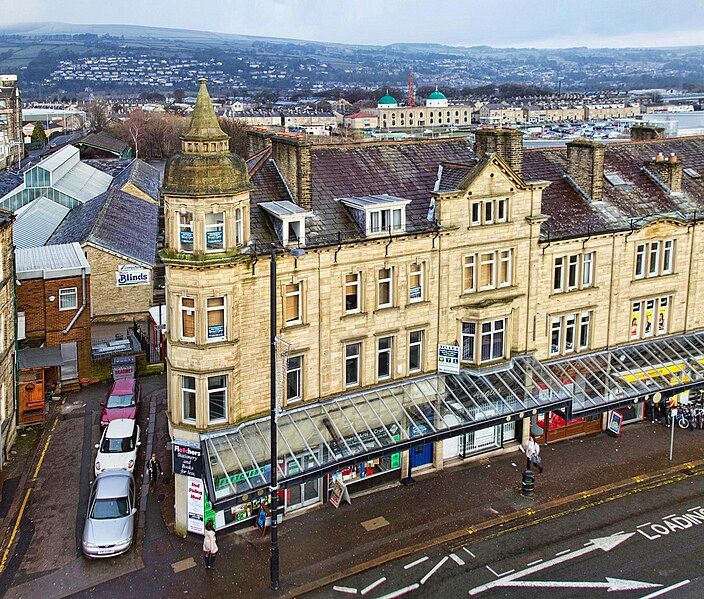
x,y
292,156
585,164
508,143
7,348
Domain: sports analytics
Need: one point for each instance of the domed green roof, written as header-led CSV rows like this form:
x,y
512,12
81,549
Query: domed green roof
x,y
388,99
437,95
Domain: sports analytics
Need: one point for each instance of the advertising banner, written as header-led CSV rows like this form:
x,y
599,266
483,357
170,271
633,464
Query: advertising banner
x,y
196,505
449,359
131,274
187,459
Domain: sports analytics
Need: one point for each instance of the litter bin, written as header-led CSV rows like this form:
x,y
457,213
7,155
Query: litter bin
x,y
527,483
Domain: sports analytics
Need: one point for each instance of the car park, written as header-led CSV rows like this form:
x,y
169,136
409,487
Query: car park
x,y
118,445
123,401
109,524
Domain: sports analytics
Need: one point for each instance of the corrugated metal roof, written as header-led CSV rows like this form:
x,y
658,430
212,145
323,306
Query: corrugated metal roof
x,y
59,157
83,182
36,222
50,262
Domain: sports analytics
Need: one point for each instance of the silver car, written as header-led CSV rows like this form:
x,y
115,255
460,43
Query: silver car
x,y
110,520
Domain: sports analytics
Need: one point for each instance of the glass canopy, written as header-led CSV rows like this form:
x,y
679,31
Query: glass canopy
x,y
325,437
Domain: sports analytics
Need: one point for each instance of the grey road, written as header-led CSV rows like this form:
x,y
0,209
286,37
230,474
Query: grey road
x,y
639,543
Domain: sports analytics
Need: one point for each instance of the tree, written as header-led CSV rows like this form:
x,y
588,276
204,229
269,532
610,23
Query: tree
x,y
39,135
179,95
98,114
154,135
237,130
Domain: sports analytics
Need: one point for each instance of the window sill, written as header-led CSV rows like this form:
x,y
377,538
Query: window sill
x,y
295,325
353,315
417,303
655,277
573,291
385,308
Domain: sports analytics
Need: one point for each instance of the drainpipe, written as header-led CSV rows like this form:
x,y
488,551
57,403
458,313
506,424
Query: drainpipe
x,y
83,305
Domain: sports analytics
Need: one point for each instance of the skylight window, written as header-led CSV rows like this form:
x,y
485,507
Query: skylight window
x,y
615,179
691,173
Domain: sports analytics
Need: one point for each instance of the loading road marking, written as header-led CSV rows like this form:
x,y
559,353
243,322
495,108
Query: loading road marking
x,y
666,589
457,559
400,592
604,543
348,590
434,569
415,563
468,551
373,585
535,562
559,553
495,573
611,584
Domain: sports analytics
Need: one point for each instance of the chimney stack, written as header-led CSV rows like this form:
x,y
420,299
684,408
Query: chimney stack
x,y
666,172
585,164
507,143
292,156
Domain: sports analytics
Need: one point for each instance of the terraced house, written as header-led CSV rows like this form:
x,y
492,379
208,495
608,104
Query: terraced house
x,y
433,301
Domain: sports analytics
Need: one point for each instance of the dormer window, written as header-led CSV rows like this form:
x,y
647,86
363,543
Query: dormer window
x,y
289,221
378,214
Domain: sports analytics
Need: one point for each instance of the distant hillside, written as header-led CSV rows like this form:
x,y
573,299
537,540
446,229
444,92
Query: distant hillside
x,y
61,59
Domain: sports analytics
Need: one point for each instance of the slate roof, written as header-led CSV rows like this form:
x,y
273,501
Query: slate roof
x,y
116,221
104,141
572,215
142,175
452,175
8,182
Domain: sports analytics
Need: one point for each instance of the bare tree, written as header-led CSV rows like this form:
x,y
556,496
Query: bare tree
x,y
237,130
98,114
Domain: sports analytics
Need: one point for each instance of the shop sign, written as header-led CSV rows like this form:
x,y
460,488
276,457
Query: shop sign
x,y
131,274
196,505
187,459
615,422
449,359
339,492
186,237
214,237
238,477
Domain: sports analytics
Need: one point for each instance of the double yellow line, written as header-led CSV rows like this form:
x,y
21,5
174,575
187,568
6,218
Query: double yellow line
x,y
28,492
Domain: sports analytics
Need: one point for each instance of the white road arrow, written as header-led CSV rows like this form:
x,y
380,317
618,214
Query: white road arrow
x,y
611,584
603,543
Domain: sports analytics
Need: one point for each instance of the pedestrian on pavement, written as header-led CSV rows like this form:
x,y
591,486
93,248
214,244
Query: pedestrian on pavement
x,y
263,518
155,471
210,546
532,451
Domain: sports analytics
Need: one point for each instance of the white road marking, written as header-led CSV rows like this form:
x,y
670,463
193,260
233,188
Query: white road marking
x,y
434,569
562,552
348,590
535,562
415,563
457,559
603,543
400,592
668,517
666,589
495,573
611,584
692,509
642,525
468,551
373,585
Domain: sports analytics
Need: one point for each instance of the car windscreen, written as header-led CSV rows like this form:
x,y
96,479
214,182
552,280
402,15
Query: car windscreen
x,y
108,509
121,401
117,445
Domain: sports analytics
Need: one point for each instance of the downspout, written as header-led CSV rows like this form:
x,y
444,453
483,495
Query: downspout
x,y
689,275
83,305
611,290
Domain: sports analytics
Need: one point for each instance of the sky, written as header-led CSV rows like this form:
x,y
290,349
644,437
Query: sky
x,y
503,23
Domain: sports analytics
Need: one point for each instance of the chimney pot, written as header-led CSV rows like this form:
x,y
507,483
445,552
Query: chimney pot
x,y
673,158
660,157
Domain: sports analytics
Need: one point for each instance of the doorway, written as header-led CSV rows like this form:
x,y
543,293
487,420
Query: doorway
x,y
303,494
69,356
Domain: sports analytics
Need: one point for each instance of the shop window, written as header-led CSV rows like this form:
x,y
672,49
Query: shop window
x,y
294,379
188,398
185,232
188,319
352,293
654,259
292,303
492,341
215,309
572,272
214,231
383,358
217,398
415,351
352,364
469,330
386,291
239,227
68,298
650,317
415,283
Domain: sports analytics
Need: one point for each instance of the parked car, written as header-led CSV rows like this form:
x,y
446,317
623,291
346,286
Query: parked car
x,y
109,525
117,449
123,401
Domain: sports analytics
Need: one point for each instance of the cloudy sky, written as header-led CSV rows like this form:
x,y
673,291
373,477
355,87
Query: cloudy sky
x,y
537,23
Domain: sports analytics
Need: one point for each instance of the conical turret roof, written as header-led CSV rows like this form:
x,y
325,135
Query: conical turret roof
x,y
204,122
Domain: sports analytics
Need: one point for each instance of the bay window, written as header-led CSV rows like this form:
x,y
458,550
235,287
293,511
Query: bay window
x,y
185,232
214,231
188,318
492,341
188,398
215,314
469,330
217,398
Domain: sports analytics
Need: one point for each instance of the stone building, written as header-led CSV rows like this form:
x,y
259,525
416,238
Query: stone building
x,y
11,137
433,301
437,112
7,337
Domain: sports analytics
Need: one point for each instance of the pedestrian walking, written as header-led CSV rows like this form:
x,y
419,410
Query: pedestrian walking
x,y
210,546
532,451
155,471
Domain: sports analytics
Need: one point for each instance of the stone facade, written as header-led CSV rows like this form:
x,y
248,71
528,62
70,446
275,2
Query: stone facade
x,y
414,117
7,337
10,121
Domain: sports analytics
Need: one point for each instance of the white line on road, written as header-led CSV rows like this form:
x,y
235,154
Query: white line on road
x,y
611,584
668,517
400,592
415,563
642,525
604,543
468,551
535,562
373,585
495,573
692,509
434,569
666,589
457,559
348,590
558,554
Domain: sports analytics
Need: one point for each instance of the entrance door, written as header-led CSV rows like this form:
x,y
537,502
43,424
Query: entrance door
x,y
308,493
69,356
420,456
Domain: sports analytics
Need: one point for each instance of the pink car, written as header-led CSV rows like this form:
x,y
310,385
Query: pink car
x,y
123,401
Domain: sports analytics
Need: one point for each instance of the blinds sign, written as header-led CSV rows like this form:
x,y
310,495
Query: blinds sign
x,y
131,274
449,359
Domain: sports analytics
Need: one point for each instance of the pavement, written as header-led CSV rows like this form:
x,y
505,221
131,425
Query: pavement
x,y
323,545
